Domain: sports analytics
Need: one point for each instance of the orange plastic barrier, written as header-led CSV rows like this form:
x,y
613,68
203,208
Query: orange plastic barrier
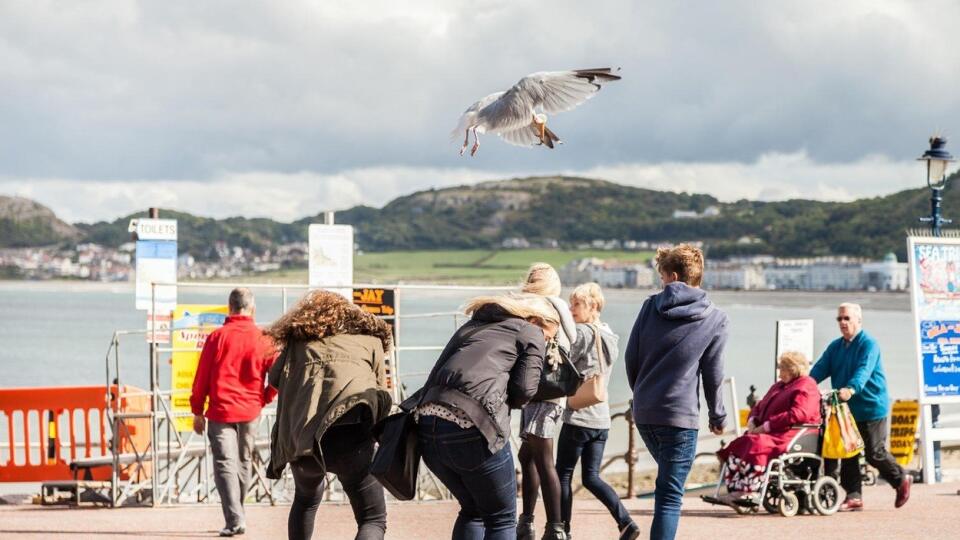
x,y
48,428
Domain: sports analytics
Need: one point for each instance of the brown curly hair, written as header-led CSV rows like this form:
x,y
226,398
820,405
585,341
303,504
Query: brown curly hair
x,y
323,313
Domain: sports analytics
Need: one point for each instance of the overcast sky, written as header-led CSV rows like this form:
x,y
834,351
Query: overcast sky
x,y
285,109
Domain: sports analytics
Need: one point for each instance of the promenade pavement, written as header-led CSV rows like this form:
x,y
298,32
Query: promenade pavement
x,y
932,513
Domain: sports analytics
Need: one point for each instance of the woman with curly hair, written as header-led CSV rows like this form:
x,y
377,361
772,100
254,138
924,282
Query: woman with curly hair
x,y
331,385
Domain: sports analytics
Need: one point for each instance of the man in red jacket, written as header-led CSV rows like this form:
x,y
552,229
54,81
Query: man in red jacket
x,y
232,370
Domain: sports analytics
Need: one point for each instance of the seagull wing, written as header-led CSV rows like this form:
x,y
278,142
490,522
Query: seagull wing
x,y
560,91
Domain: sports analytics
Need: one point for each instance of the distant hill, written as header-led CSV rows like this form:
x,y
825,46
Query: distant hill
x,y
566,209
25,223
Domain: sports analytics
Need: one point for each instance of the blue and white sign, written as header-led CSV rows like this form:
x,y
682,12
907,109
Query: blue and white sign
x,y
935,294
156,263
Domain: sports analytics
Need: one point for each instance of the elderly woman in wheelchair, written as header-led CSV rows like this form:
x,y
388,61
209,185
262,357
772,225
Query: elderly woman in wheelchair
x,y
779,454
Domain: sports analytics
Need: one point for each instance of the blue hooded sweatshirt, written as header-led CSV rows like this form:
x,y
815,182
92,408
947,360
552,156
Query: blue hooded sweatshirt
x,y
678,338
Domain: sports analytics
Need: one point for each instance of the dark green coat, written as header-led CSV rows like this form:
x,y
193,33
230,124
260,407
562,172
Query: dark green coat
x,y
318,382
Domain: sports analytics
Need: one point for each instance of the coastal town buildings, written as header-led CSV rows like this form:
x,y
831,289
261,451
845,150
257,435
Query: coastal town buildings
x,y
756,273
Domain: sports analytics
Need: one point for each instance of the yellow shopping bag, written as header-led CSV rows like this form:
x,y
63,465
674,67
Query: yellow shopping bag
x,y
841,439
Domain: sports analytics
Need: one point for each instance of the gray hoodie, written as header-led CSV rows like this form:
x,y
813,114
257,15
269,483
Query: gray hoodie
x,y
679,337
583,353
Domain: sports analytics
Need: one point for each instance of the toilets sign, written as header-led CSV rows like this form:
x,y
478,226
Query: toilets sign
x,y
156,263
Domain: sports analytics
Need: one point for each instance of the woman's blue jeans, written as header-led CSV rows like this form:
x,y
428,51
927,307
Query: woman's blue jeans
x,y
579,442
485,484
673,449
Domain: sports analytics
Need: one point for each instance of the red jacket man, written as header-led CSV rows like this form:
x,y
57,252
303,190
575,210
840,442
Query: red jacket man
x,y
232,373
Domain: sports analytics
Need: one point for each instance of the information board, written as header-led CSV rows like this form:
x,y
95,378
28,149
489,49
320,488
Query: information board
x,y
794,335
935,295
331,257
192,323
156,258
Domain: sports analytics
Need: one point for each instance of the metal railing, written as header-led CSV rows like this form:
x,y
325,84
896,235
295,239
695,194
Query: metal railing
x,y
180,466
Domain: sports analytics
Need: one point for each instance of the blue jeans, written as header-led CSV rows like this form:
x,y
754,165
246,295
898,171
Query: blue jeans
x,y
485,484
673,449
576,442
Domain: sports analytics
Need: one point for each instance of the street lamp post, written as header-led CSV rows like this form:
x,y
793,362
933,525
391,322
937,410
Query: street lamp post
x,y
937,159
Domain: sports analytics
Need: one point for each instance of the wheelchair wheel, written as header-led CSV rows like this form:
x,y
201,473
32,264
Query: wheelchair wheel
x,y
827,496
771,502
789,504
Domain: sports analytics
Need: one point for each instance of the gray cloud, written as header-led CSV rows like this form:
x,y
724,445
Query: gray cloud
x,y
122,92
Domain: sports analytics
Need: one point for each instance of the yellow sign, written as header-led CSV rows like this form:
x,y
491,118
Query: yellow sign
x,y
192,323
903,430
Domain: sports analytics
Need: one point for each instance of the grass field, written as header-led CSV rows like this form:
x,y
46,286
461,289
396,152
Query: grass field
x,y
489,267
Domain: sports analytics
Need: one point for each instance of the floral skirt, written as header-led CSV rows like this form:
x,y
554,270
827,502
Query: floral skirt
x,y
741,475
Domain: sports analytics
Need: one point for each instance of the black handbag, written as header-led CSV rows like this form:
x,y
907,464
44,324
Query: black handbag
x,y
559,377
396,464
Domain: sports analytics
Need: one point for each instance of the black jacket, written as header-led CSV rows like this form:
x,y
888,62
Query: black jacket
x,y
490,365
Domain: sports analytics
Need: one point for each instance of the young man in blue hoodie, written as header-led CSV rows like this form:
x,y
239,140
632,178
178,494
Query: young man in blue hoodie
x,y
678,338
852,363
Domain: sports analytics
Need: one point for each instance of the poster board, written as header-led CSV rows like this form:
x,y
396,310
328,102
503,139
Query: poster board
x,y
935,301
156,262
192,323
331,257
904,420
794,335
382,303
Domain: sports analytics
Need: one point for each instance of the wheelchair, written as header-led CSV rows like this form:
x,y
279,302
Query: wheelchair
x,y
793,482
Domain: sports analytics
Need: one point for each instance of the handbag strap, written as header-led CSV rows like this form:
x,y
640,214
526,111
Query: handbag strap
x,y
598,343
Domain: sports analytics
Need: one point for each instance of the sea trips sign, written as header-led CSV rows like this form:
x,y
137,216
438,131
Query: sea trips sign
x,y
935,292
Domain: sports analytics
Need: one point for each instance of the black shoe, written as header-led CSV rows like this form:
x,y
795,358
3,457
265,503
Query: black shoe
x,y
566,528
554,531
630,532
525,528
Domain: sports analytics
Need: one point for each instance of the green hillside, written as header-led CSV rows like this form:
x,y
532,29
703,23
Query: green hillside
x,y
546,211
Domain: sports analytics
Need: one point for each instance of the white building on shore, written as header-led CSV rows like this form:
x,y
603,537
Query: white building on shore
x,y
616,275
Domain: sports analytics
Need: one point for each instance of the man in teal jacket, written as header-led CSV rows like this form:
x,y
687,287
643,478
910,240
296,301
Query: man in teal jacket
x,y
852,362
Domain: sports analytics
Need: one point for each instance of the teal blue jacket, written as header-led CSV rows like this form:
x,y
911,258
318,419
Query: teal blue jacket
x,y
856,365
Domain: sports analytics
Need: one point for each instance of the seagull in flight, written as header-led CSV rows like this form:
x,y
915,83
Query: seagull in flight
x,y
519,115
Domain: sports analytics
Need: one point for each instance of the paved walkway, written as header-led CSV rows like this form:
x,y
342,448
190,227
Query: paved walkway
x,y
931,514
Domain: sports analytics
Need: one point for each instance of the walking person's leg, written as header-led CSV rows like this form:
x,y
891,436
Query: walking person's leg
x,y
225,446
852,482
542,451
348,452
469,524
874,435
247,440
529,486
590,473
569,448
308,479
673,449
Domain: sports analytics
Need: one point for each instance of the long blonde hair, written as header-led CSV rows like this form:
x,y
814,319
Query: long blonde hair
x,y
530,307
542,279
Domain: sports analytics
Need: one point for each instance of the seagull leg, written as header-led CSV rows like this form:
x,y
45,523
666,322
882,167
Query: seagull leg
x,y
476,143
466,141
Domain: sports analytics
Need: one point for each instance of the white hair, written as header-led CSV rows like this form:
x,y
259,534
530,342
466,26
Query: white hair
x,y
855,309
